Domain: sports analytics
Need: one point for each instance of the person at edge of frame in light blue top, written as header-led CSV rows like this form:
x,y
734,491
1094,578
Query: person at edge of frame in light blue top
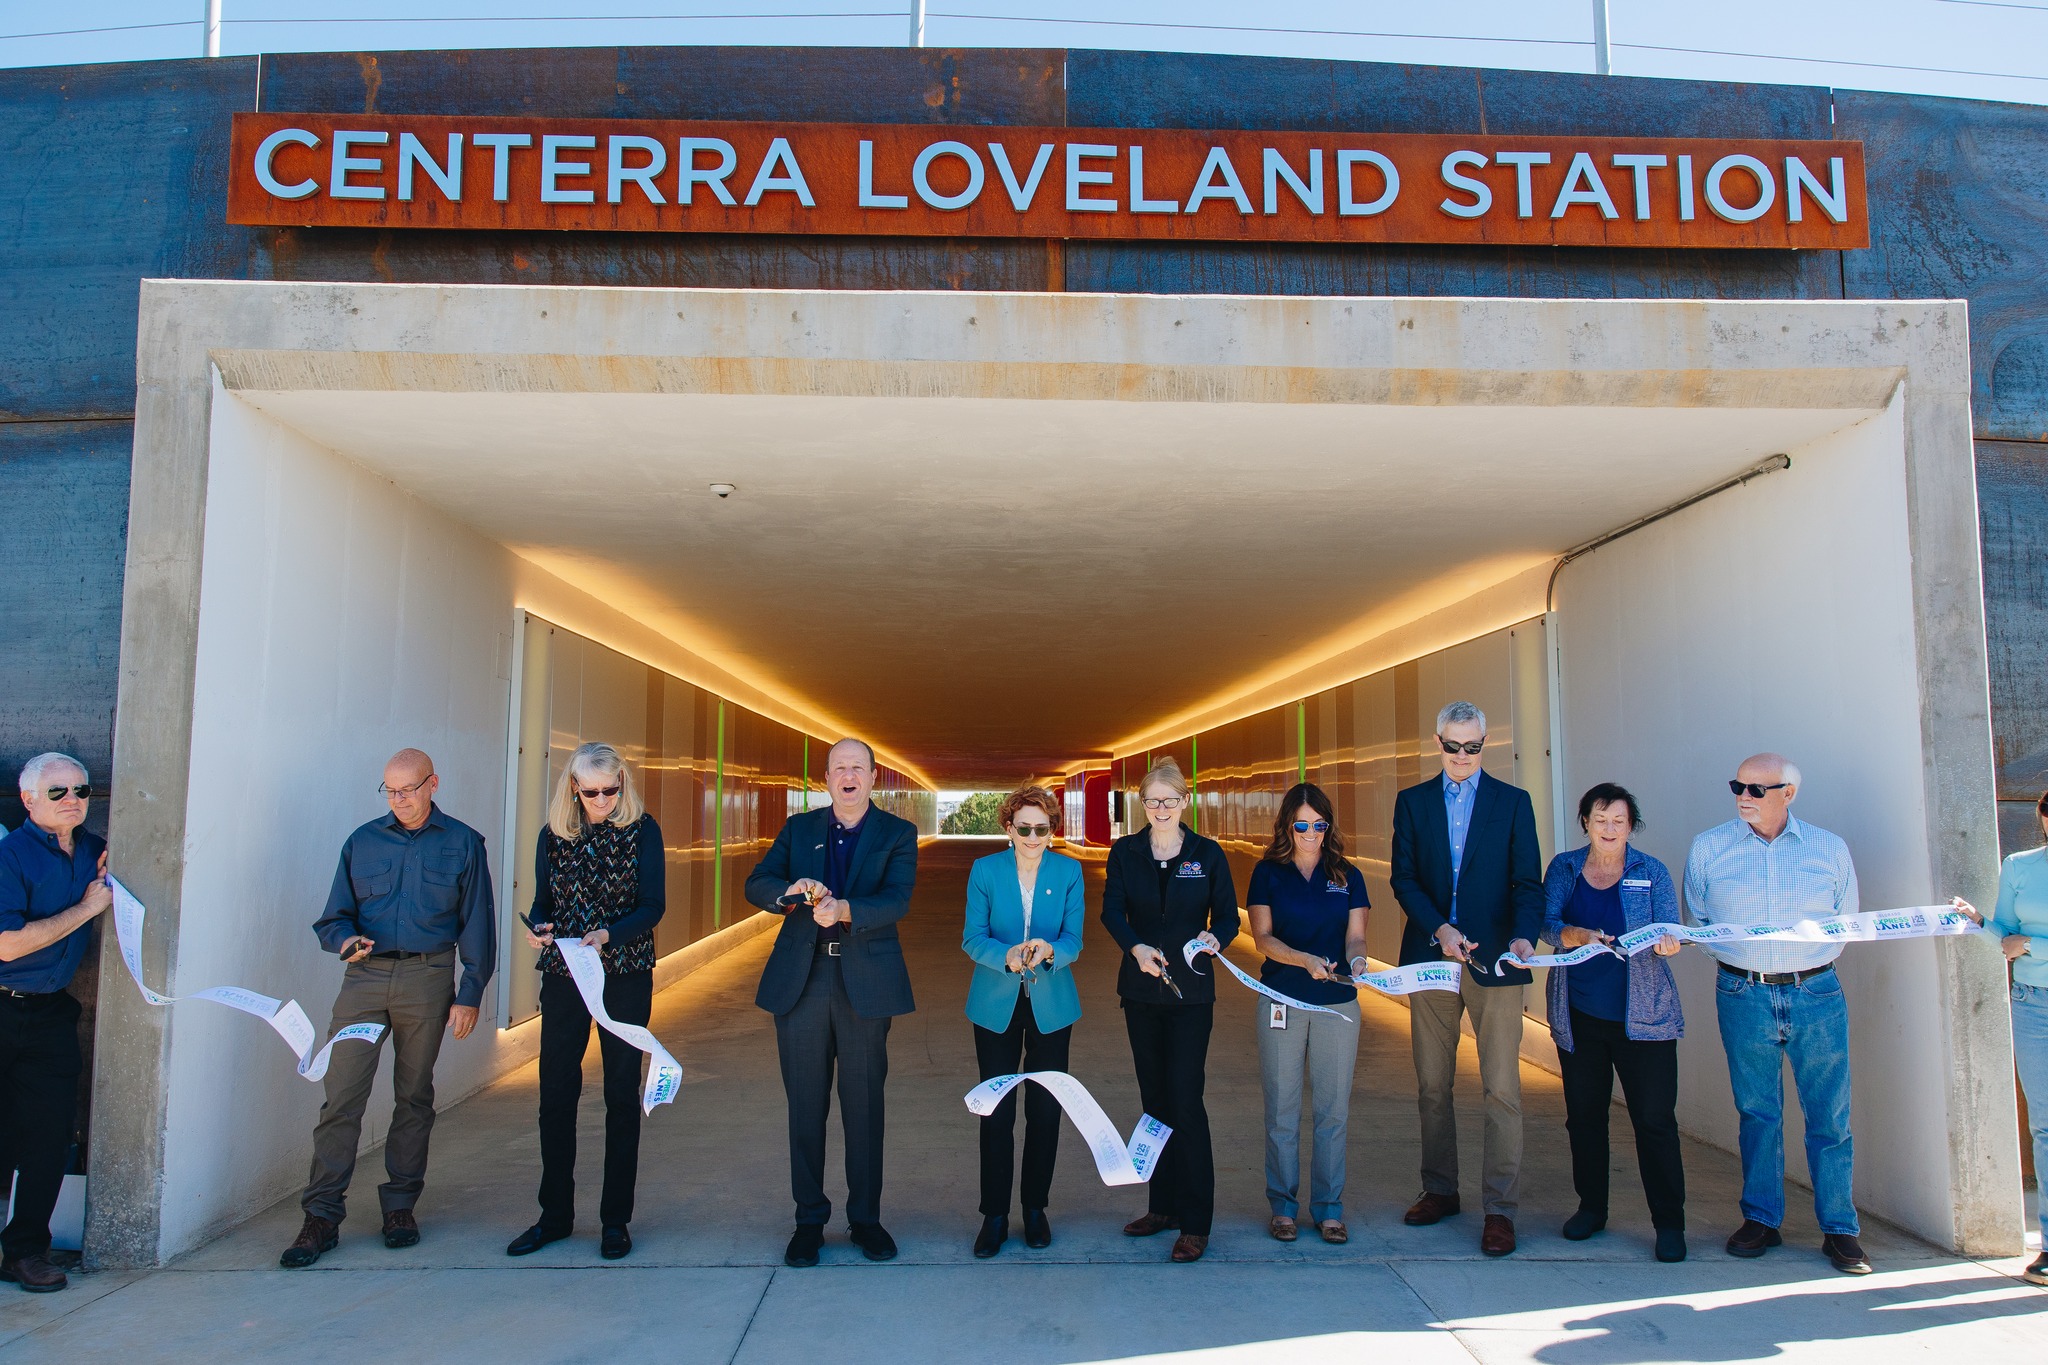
x,y
2021,923
1023,930
1781,1001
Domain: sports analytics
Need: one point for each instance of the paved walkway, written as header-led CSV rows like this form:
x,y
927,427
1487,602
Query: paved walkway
x,y
706,1283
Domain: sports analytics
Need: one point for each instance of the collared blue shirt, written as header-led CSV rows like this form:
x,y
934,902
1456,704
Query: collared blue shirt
x,y
839,845
416,891
39,879
1734,876
1458,801
1311,915
2023,909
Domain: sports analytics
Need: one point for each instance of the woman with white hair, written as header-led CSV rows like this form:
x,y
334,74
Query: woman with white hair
x,y
599,875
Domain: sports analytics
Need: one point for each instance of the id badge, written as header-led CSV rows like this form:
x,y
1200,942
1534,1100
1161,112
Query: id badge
x,y
1276,1015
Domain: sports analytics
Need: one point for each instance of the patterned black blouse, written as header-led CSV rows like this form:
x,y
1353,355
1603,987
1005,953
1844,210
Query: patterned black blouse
x,y
609,877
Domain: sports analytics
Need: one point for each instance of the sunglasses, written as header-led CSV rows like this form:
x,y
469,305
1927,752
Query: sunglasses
x,y
1755,789
83,791
1032,831
1474,746
593,793
1303,826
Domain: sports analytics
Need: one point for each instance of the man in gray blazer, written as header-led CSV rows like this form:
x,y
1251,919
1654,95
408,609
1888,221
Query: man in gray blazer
x,y
841,877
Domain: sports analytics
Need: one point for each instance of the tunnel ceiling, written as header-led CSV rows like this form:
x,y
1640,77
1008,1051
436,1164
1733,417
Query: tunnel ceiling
x,y
998,587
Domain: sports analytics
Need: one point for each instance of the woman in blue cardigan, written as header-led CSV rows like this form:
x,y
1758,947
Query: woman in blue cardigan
x,y
1613,1017
1024,910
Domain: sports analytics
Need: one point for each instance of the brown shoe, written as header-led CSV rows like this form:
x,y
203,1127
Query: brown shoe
x,y
1430,1208
317,1236
33,1273
1845,1253
1498,1237
1334,1232
1753,1239
1189,1247
1283,1228
1145,1225
400,1229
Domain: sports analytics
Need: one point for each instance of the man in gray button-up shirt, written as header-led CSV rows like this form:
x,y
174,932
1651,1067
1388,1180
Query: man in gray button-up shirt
x,y
413,893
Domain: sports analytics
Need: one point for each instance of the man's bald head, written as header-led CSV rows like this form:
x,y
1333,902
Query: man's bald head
x,y
409,787
1767,768
1777,778
406,767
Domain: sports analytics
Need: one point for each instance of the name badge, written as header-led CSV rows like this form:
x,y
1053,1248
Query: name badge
x,y
1638,883
1276,1015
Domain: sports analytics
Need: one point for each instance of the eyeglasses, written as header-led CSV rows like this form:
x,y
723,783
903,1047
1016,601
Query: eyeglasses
x,y
1303,826
595,793
1470,746
1032,831
1162,803
386,790
1755,789
83,791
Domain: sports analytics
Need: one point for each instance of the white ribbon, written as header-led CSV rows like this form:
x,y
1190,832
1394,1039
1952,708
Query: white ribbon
x,y
1874,926
586,969
1422,976
285,1016
1194,948
1118,1162
1582,953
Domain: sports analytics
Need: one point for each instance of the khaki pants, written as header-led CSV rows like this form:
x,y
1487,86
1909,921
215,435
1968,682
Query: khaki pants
x,y
1433,1033
411,997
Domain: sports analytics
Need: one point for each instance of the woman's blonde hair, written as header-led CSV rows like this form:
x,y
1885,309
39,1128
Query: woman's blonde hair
x,y
1165,773
565,810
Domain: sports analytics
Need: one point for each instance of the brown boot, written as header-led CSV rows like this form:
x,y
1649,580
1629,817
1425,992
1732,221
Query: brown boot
x,y
33,1273
317,1236
1429,1209
401,1229
1145,1225
1189,1246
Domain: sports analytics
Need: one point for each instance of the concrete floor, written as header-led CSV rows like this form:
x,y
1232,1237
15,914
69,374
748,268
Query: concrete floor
x,y
706,1283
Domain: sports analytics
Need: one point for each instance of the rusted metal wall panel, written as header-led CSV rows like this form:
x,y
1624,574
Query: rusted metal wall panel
x,y
2012,512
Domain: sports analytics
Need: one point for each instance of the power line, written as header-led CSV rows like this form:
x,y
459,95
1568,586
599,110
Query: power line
x,y
1997,4
1833,61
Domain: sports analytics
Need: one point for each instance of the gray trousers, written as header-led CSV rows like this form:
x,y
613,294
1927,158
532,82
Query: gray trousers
x,y
411,997
1324,1050
1433,1033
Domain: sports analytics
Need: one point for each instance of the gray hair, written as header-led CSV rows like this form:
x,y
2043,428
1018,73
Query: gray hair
x,y
33,771
1457,713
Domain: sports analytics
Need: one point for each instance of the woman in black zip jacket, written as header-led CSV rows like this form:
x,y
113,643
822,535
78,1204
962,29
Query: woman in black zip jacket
x,y
1167,885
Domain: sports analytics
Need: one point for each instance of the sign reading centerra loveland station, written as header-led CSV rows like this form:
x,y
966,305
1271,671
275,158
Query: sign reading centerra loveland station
x,y
631,175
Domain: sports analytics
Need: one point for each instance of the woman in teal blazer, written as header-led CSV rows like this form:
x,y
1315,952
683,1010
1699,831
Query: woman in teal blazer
x,y
1024,910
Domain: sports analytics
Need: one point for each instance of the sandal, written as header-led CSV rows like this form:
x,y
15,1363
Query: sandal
x,y
1333,1231
1283,1228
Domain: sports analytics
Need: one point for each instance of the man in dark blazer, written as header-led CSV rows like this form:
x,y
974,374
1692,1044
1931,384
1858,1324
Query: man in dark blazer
x,y
833,981
1469,876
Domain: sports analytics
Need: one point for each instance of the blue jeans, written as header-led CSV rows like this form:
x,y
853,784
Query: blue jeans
x,y
2030,1052
1763,1027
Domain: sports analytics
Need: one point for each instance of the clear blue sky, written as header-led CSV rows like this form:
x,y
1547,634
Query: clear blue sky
x,y
2004,43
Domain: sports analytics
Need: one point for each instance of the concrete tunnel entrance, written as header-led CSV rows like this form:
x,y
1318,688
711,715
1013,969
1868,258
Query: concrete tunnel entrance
x,y
1011,536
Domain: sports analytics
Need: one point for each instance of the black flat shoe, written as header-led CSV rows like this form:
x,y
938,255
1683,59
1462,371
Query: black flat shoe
x,y
533,1239
1583,1224
803,1245
995,1230
616,1243
1037,1232
874,1241
1670,1244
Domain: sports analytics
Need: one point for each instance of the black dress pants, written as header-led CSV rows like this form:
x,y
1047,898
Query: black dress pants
x,y
819,1036
564,1038
1601,1050
1020,1047
1170,1048
39,1066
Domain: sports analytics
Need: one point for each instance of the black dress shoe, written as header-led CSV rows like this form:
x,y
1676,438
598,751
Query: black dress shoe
x,y
616,1242
533,1239
1583,1224
1671,1244
874,1241
1845,1253
1753,1239
802,1251
995,1230
1037,1232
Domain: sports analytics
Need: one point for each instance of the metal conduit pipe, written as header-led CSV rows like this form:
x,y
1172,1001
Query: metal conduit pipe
x,y
1770,466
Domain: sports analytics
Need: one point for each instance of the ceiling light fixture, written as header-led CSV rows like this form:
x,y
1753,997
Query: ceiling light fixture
x,y
724,490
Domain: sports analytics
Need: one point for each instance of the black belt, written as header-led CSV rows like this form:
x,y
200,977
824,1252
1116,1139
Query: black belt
x,y
399,955
831,947
13,994
1776,978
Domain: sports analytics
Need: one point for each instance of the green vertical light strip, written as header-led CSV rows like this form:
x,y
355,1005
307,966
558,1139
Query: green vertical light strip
x,y
1195,783
1301,741
718,829
807,771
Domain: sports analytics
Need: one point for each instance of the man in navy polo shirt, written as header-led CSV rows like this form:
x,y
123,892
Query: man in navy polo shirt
x,y
52,885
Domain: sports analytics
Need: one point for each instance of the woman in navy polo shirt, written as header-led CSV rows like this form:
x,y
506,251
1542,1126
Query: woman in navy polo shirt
x,y
1613,1017
1308,911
